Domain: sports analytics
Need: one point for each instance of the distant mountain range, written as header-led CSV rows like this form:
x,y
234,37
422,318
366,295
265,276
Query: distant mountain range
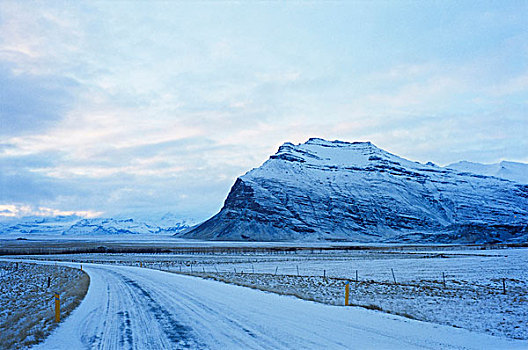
x,y
506,170
74,225
341,191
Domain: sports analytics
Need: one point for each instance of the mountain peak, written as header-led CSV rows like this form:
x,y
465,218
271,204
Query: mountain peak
x,y
317,152
335,190
336,143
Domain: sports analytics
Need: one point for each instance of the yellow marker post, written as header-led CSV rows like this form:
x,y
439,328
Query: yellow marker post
x,y
347,293
81,267
140,264
57,307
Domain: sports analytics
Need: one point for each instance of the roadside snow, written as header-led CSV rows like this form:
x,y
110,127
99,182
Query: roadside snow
x,y
27,303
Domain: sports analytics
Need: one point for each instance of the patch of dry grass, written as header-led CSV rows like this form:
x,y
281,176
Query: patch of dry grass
x,y
27,303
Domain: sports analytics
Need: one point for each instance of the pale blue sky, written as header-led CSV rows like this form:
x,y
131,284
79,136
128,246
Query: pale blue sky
x,y
119,107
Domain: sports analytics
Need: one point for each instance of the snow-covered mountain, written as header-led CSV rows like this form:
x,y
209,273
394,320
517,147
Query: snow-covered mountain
x,y
507,170
103,226
74,225
334,190
38,225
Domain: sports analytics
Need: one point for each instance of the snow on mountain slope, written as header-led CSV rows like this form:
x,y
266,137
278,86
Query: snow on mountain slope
x,y
507,170
74,225
110,226
38,225
334,190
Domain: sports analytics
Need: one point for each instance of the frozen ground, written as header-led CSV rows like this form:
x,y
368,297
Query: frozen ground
x,y
136,308
472,296
27,303
480,308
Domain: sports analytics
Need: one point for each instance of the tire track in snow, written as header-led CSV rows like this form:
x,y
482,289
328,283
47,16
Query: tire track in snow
x,y
125,330
178,334
189,304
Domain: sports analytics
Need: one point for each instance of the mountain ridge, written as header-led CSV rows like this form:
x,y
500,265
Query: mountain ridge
x,y
514,171
337,190
77,226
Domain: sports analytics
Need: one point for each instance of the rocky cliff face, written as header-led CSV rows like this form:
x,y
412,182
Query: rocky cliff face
x,y
333,190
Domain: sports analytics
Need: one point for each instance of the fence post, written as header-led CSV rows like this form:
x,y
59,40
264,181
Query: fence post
x,y
356,276
49,281
394,278
504,286
57,307
347,292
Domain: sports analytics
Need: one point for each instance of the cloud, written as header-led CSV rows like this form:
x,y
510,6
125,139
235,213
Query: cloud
x,y
517,84
31,104
14,210
114,107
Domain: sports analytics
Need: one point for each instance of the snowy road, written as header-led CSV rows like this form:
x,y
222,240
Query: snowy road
x,y
134,308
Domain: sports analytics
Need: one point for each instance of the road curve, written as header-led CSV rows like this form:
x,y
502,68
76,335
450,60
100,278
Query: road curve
x,y
135,308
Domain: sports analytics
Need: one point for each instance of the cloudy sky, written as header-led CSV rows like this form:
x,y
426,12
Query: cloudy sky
x,y
140,107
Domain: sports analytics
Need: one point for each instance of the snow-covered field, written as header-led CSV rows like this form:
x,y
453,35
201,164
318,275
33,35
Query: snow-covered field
x,y
475,307
472,296
27,303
